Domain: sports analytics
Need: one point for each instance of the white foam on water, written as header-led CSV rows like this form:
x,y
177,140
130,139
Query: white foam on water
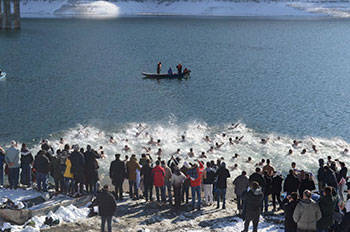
x,y
170,134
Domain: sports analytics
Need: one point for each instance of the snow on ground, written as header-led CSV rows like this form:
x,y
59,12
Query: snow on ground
x,y
60,8
67,214
18,194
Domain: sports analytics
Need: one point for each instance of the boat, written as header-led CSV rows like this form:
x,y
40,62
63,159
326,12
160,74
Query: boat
x,y
2,76
166,75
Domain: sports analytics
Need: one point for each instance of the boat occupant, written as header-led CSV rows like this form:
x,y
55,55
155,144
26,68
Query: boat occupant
x,y
179,68
159,67
170,71
185,70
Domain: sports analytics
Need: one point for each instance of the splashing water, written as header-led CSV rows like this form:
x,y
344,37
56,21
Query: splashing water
x,y
170,134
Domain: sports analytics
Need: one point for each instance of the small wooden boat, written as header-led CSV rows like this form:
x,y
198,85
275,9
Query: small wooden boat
x,y
166,75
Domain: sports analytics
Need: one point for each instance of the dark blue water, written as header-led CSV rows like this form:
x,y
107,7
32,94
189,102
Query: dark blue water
x,y
285,76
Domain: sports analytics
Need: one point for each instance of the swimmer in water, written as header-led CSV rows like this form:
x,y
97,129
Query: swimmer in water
x,y
183,139
147,149
61,141
126,148
207,139
223,135
151,141
230,141
217,145
211,149
235,156
159,152
261,163
314,148
345,152
203,156
264,141
177,152
158,142
234,167
290,152
249,160
296,143
237,140
303,151
111,139
191,153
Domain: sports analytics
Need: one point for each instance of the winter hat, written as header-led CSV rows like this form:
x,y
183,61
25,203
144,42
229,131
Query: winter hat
x,y
186,165
223,165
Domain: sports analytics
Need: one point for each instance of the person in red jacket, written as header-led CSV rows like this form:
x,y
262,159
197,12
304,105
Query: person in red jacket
x,y
195,175
158,174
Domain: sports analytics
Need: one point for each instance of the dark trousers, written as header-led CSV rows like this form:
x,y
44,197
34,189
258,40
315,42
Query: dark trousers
x,y
26,175
79,181
185,190
255,221
132,184
1,174
239,202
13,177
162,192
59,184
148,189
109,223
278,196
41,179
221,195
177,195
119,190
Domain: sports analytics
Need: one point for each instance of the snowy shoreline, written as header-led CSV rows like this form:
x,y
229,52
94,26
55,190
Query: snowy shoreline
x,y
112,9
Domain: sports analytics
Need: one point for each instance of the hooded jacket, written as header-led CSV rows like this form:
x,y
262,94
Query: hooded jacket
x,y
131,167
252,201
306,215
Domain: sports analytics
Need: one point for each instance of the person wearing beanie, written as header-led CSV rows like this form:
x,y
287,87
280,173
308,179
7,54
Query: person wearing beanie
x,y
252,201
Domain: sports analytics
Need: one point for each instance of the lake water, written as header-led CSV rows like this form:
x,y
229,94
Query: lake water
x,y
276,76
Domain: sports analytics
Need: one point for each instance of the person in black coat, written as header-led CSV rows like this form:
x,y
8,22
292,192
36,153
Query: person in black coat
x,y
276,188
91,169
256,176
106,207
78,169
306,183
42,167
252,201
267,190
146,172
222,173
117,173
289,204
330,178
26,163
321,176
291,184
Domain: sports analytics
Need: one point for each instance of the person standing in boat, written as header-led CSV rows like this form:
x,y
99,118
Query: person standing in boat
x,y
170,71
179,68
159,67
